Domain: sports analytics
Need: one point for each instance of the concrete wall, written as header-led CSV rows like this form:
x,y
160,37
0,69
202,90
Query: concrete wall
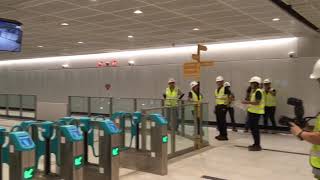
x,y
237,62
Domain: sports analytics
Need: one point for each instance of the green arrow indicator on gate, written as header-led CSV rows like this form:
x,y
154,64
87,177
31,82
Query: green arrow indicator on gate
x,y
115,151
28,173
165,139
78,161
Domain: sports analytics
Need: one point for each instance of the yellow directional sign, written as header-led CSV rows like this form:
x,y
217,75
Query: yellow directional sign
x,y
196,57
206,63
202,47
191,69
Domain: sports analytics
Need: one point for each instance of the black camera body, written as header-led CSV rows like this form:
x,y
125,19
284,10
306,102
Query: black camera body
x,y
298,111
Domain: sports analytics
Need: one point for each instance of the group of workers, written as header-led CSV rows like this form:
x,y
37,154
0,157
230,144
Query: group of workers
x,y
261,101
260,98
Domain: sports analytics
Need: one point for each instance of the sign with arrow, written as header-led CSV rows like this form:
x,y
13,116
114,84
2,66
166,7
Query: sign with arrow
x,y
28,173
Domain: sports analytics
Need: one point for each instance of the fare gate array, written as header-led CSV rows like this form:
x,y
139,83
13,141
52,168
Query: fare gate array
x,y
70,139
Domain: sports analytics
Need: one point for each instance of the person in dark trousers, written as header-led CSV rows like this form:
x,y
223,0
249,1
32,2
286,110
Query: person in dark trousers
x,y
255,111
247,97
271,103
230,108
221,96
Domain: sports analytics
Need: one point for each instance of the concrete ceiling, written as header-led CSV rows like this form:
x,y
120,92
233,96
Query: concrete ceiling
x,y
104,25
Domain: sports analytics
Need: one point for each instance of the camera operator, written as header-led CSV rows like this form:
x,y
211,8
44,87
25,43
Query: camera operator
x,y
311,137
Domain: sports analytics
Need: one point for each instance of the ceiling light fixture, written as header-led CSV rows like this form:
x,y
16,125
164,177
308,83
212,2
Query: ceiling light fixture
x,y
130,36
276,19
39,46
64,24
196,29
80,42
138,12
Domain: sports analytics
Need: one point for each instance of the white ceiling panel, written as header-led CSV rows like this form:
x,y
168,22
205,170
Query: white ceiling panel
x,y
104,25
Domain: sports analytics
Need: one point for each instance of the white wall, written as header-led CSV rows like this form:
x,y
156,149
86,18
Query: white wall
x,y
236,62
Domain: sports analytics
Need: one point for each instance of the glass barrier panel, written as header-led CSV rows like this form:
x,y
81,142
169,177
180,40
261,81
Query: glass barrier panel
x,y
3,104
100,105
123,104
28,102
148,103
14,105
78,104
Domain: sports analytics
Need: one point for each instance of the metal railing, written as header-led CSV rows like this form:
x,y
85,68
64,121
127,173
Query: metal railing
x,y
17,105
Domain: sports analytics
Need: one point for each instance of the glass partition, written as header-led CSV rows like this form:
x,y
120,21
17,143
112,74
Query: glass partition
x,y
148,103
185,129
78,104
28,106
123,104
14,103
3,104
100,106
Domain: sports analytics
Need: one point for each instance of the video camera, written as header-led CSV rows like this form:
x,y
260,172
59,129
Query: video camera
x,y
299,118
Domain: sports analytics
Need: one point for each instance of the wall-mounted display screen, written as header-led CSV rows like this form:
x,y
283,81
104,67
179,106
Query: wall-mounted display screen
x,y
10,36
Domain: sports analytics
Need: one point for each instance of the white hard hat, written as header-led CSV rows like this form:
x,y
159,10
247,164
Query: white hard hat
x,y
227,84
193,84
255,79
171,80
219,78
266,81
316,71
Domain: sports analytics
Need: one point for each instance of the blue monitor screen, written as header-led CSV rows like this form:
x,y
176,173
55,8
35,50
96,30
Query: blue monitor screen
x,y
75,133
25,141
10,36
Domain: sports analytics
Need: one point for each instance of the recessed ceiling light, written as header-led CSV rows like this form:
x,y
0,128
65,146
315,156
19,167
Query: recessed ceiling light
x,y
64,24
276,19
196,29
138,12
39,46
130,36
80,42
93,0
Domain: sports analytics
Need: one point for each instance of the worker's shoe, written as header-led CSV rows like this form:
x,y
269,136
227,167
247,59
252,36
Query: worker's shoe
x,y
222,138
246,130
255,148
234,129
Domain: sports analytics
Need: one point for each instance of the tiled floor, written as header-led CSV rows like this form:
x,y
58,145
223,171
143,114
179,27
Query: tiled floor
x,y
227,160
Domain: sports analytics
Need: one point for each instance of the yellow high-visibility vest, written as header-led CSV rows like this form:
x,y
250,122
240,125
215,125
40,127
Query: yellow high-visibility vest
x,y
221,97
172,97
195,97
256,109
315,152
270,100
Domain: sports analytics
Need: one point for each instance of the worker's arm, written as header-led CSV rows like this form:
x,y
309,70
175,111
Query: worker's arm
x,y
180,94
164,95
273,92
190,96
258,99
311,137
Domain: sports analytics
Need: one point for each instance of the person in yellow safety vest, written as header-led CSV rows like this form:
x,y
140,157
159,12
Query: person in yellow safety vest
x,y
270,104
255,111
172,96
314,136
194,94
221,95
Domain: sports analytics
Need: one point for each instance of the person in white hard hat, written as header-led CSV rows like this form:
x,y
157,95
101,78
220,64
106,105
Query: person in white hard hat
x,y
255,111
221,95
270,104
314,136
230,108
194,94
172,95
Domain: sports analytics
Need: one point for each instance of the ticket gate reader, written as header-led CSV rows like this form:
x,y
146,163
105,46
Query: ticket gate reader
x,y
70,153
109,157
21,156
